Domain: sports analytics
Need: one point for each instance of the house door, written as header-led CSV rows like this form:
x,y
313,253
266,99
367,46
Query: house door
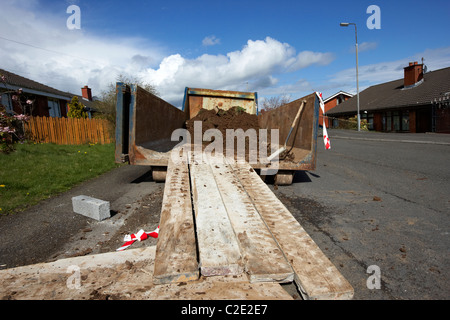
x,y
423,120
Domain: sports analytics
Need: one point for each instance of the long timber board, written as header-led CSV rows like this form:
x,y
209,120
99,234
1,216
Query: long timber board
x,y
176,250
218,248
263,259
315,276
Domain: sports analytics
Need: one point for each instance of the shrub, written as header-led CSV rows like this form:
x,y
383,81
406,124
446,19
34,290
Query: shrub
x,y
352,124
12,130
76,109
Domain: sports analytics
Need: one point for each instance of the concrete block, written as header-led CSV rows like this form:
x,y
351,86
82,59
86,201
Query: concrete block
x,y
91,207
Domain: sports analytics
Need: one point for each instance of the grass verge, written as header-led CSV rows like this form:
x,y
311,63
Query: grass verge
x,y
38,171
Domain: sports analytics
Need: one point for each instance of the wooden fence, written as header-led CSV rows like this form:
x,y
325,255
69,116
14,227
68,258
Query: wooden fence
x,y
69,130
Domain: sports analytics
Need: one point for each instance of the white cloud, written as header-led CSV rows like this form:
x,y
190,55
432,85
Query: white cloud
x,y
74,58
210,41
43,49
366,46
257,63
386,71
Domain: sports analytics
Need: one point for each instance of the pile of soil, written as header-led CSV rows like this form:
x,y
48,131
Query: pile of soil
x,y
233,118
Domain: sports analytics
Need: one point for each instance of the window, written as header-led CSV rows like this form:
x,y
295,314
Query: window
x,y
370,121
54,109
388,121
7,102
396,120
405,121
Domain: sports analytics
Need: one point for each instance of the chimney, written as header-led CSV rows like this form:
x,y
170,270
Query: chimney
x,y
413,74
86,93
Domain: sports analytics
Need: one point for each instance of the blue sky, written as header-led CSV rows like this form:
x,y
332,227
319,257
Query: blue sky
x,y
273,47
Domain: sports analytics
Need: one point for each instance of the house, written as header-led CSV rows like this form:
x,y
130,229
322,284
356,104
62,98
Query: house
x,y
46,101
419,102
330,103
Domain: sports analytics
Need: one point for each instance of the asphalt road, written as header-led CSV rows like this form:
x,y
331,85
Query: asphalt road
x,y
380,201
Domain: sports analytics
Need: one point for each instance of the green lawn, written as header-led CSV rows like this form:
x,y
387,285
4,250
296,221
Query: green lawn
x,y
37,171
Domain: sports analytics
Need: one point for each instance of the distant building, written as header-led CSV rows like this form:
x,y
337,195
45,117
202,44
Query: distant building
x,y
47,101
332,102
419,102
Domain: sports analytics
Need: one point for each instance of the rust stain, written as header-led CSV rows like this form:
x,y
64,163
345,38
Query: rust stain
x,y
137,154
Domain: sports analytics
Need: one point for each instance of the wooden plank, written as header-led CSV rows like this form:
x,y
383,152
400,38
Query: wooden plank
x,y
51,129
264,260
69,131
217,244
125,275
65,131
315,275
176,252
44,135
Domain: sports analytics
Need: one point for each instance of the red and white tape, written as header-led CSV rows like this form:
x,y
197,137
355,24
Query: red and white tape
x,y
326,138
140,236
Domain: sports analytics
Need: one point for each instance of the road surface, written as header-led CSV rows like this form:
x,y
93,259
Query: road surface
x,y
378,205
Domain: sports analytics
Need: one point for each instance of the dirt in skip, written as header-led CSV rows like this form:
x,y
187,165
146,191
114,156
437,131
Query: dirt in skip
x,y
234,118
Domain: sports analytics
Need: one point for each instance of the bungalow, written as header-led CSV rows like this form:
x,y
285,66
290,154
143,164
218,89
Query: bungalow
x,y
419,102
43,100
46,101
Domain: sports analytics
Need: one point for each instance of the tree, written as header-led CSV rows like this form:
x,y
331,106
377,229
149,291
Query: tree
x,y
76,109
106,106
275,102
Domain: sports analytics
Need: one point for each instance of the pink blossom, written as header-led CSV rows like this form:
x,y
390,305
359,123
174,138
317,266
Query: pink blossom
x,y
14,98
7,130
21,117
3,78
29,102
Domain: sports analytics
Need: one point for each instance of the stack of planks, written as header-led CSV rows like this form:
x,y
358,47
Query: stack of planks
x,y
219,218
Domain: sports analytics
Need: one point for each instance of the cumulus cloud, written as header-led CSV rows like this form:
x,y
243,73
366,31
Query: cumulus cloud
x,y
257,63
39,46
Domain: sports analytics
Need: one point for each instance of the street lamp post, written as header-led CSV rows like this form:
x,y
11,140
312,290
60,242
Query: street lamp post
x,y
346,24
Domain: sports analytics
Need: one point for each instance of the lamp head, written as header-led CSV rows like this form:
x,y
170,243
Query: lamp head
x,y
344,24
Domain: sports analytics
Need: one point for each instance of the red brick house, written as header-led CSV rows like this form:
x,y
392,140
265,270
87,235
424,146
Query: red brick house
x,y
418,102
330,103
